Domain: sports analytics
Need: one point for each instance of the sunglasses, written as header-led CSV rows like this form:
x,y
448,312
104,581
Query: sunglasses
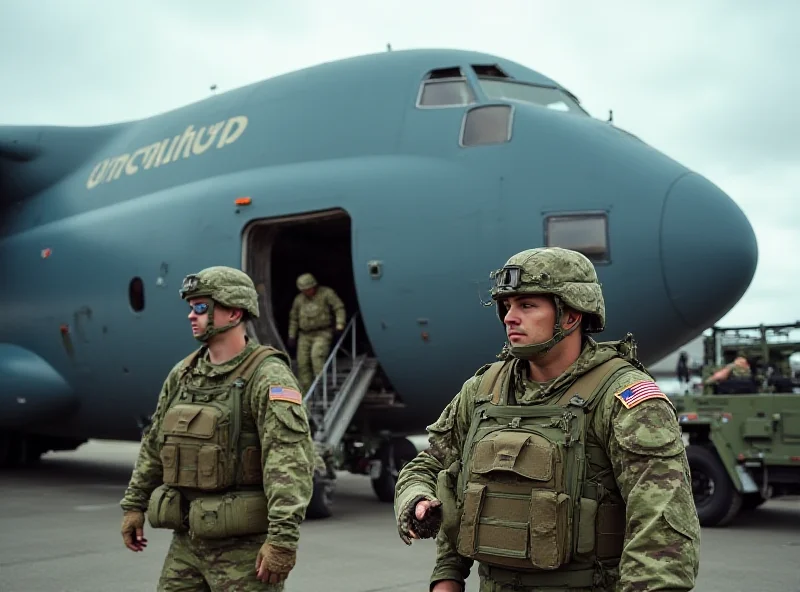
x,y
199,308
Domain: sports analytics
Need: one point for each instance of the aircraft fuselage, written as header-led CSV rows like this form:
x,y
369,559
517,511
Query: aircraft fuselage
x,y
428,217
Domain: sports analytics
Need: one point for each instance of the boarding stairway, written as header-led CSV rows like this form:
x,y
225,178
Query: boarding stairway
x,y
341,387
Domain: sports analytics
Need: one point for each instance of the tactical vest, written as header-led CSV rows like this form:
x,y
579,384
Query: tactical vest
x,y
534,495
208,442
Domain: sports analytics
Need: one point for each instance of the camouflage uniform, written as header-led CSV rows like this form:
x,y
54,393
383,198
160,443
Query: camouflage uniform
x,y
737,372
635,456
310,323
273,427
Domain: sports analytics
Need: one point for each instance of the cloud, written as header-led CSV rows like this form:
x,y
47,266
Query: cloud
x,y
709,83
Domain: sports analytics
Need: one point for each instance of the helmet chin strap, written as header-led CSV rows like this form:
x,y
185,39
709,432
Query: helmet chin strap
x,y
536,351
211,330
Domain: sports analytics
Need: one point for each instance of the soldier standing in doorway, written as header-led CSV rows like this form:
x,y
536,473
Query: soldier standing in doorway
x,y
317,312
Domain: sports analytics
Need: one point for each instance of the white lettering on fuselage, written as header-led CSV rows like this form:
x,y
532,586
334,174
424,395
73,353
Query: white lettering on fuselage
x,y
190,142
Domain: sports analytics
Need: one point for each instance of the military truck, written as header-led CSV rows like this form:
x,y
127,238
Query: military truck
x,y
743,433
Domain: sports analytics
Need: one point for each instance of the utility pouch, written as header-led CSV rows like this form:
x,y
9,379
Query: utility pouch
x,y
165,509
516,514
610,537
445,492
234,514
586,527
195,437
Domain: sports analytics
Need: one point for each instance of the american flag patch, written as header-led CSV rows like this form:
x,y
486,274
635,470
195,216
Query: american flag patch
x,y
281,393
640,391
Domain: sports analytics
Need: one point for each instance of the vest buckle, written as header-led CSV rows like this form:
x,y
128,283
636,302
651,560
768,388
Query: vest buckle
x,y
577,400
515,422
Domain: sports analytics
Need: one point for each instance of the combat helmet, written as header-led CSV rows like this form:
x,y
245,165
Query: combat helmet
x,y
225,286
568,276
306,281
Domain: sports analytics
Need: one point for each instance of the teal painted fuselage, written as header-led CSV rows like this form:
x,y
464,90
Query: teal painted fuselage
x,y
428,190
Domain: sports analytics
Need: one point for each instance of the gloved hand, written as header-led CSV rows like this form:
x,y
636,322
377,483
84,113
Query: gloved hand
x,y
133,530
273,564
420,519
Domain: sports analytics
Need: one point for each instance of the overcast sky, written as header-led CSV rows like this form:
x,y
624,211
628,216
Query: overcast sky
x,y
713,84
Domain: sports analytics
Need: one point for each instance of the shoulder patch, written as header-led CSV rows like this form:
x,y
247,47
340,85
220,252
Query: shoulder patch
x,y
282,393
639,391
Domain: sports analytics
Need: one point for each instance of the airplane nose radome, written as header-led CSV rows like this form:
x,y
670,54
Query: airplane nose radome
x,y
708,250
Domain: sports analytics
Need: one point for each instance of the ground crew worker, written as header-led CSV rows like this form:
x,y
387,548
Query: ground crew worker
x,y
227,461
311,327
739,368
560,467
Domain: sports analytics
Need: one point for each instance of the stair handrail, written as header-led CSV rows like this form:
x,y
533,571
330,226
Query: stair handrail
x,y
350,329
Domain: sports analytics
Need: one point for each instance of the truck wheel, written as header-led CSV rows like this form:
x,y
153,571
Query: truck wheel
x,y
716,499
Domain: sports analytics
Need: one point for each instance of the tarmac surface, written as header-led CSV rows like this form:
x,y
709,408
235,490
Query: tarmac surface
x,y
59,532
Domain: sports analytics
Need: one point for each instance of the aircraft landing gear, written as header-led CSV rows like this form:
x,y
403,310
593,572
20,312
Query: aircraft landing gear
x,y
321,504
18,450
384,468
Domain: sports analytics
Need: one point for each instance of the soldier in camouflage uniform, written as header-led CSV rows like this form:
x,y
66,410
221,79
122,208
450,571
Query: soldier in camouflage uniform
x,y
560,467
739,368
311,327
227,461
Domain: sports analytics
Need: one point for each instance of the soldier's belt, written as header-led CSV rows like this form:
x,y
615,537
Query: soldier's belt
x,y
316,329
231,514
583,578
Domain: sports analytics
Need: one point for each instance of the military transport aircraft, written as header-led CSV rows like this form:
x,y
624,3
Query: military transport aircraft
x,y
400,179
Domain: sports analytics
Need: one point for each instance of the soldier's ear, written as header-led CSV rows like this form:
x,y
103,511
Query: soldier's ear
x,y
571,318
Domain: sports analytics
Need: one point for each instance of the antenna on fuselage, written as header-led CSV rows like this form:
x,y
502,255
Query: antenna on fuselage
x,y
388,47
610,116
213,88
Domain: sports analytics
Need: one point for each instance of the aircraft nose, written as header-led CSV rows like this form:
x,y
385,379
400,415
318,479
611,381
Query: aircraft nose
x,y
708,250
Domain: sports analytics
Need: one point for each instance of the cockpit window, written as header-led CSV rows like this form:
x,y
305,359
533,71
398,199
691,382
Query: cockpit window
x,y
488,124
546,96
586,233
443,92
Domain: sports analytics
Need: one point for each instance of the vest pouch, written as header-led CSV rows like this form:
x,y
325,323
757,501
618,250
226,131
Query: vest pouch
x,y
211,468
517,513
195,438
551,528
251,466
230,515
586,527
445,492
165,509
169,464
610,536
520,458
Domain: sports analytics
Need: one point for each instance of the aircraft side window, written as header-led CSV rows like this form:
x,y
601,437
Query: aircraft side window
x,y
490,124
445,93
136,294
586,233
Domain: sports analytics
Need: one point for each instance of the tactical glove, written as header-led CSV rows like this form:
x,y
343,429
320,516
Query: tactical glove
x,y
426,528
133,530
273,564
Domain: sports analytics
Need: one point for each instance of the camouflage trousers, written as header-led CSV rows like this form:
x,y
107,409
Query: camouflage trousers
x,y
313,348
229,565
